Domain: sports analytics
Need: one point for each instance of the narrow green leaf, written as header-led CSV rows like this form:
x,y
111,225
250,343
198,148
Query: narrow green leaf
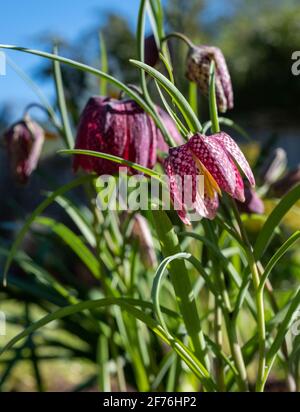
x,y
213,108
226,264
78,218
36,89
282,331
277,256
267,232
80,66
86,305
193,98
103,364
229,123
157,283
181,349
172,114
194,364
69,139
74,242
181,282
177,96
63,189
140,37
115,159
104,65
168,67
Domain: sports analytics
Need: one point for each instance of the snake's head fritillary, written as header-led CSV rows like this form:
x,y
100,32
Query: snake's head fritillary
x,y
120,128
24,141
197,70
217,158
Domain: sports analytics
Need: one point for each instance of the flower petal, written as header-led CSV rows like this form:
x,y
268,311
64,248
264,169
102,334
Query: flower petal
x,y
175,190
235,153
182,172
211,205
224,76
216,161
198,67
239,192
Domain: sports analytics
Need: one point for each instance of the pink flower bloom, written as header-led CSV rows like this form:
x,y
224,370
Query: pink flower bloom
x,y
120,128
198,66
24,144
213,157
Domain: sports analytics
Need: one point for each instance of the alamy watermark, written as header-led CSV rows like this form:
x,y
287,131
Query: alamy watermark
x,y
2,64
138,192
296,65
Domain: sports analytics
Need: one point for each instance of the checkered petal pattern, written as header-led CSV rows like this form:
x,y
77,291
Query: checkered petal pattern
x,y
197,70
215,155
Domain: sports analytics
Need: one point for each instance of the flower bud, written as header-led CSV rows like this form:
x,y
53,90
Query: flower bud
x,y
24,142
198,67
151,51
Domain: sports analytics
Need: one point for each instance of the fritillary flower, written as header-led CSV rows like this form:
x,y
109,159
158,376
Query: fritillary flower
x,y
24,142
121,128
214,157
198,67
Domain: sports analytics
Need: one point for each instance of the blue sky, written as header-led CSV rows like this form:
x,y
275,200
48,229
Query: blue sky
x,y
23,22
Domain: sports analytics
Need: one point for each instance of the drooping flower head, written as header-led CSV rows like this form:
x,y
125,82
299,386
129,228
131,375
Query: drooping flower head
x,y
24,142
121,128
215,158
198,66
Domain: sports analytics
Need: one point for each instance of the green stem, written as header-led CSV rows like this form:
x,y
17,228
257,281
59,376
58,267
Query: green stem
x,y
229,323
212,100
259,299
141,52
180,36
237,354
219,342
96,72
260,324
181,283
140,34
61,101
46,111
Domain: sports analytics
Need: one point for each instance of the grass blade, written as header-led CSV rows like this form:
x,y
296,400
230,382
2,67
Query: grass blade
x,y
69,139
179,99
115,159
277,256
63,189
267,232
74,242
104,65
